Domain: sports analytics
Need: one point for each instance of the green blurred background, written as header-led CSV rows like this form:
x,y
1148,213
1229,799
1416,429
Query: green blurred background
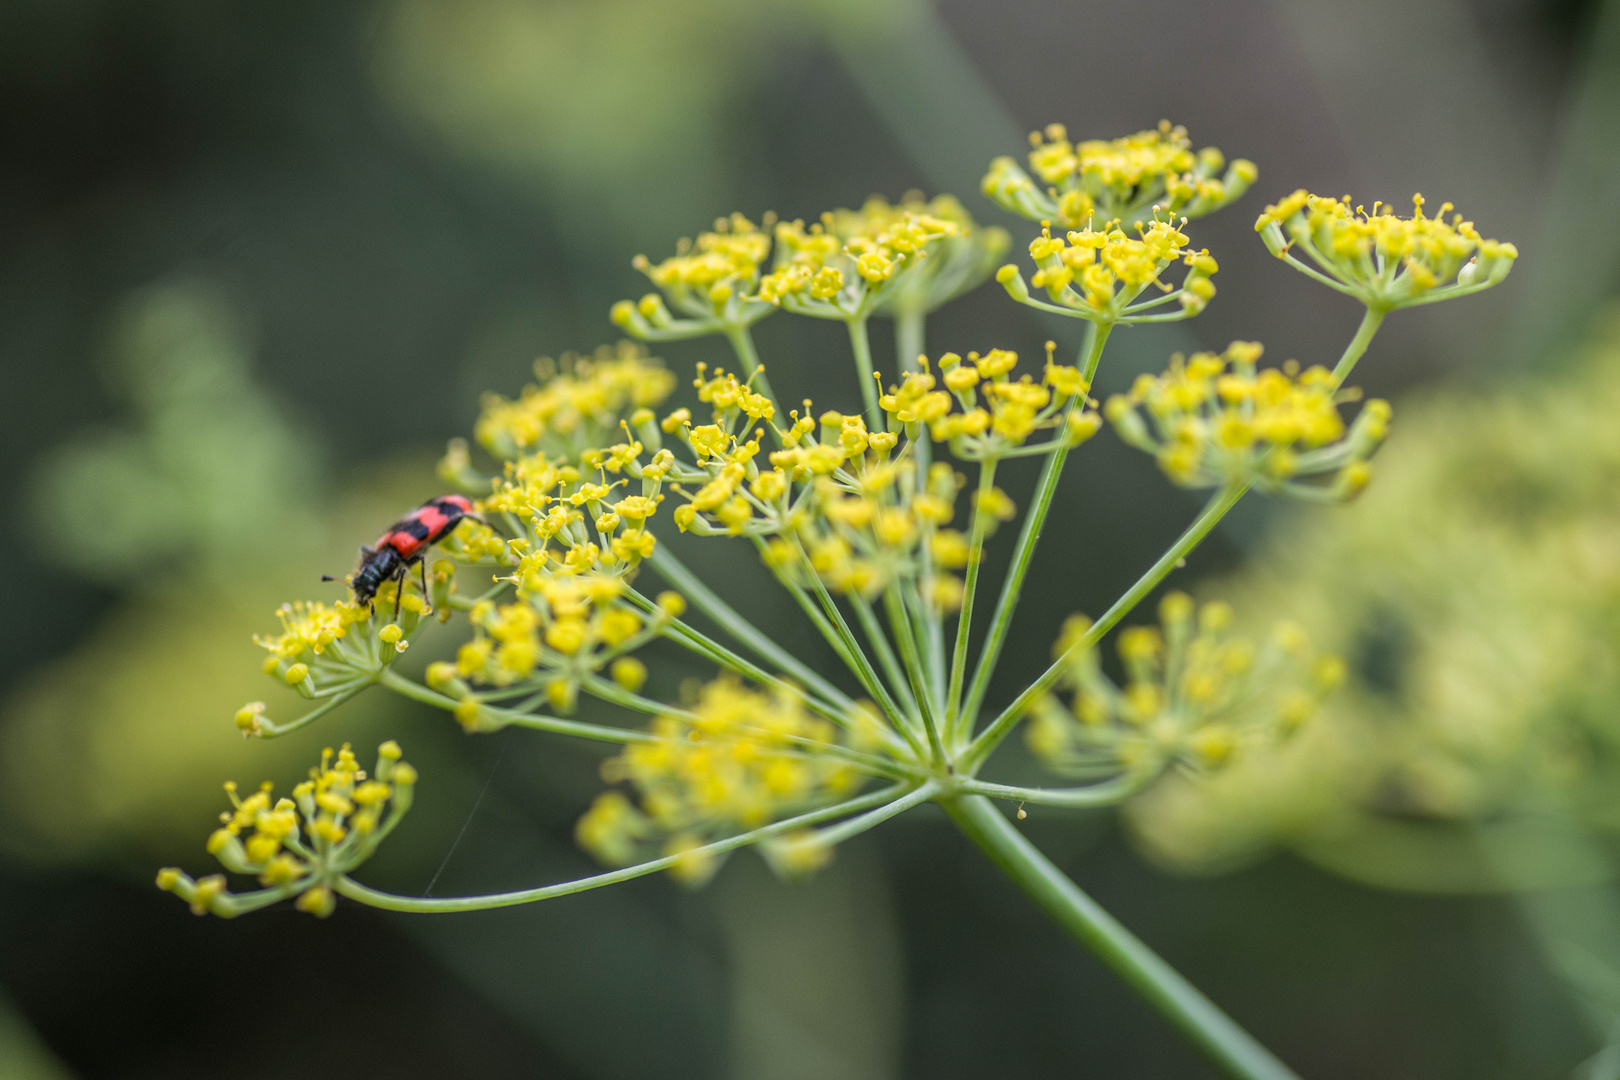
x,y
258,261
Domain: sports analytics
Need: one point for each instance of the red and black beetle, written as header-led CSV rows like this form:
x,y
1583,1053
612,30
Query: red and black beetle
x,y
405,542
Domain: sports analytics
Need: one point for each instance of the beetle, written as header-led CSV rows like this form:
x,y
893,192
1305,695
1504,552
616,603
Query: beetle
x,y
404,543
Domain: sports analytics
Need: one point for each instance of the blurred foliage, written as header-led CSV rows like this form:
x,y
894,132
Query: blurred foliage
x,y
209,497
22,1055
1476,591
577,96
209,474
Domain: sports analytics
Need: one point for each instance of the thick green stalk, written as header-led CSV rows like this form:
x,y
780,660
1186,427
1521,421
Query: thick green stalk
x,y
1104,793
910,328
1358,344
388,901
728,619
1091,350
861,344
1207,519
970,583
1200,1020
1028,537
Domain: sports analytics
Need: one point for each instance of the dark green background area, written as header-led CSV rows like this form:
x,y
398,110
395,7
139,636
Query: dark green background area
x,y
389,275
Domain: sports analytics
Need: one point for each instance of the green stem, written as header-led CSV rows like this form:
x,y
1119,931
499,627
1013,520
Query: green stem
x,y
579,730
853,654
268,730
931,640
1091,350
1029,536
611,692
694,640
900,620
1106,793
862,346
742,343
910,328
390,902
901,605
964,619
1200,1020
1358,345
885,653
837,834
728,619
1207,519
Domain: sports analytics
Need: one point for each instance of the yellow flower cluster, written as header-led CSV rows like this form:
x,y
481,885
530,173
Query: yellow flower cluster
x,y
569,521
1194,694
851,263
740,759
1129,179
905,258
560,632
1384,260
1099,274
1217,421
711,283
575,408
580,540
1011,412
960,260
309,627
738,497
853,505
581,517
301,845
324,650
885,522
835,500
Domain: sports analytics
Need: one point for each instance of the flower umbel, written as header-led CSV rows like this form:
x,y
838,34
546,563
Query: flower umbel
x,y
576,404
1127,179
710,284
1195,694
301,846
738,760
1101,274
328,653
1215,421
1384,260
851,264
957,262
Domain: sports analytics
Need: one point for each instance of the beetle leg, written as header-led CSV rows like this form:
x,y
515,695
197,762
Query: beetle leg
x,y
399,588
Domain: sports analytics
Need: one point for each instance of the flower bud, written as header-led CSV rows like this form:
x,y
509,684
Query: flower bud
x,y
1013,282
629,673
